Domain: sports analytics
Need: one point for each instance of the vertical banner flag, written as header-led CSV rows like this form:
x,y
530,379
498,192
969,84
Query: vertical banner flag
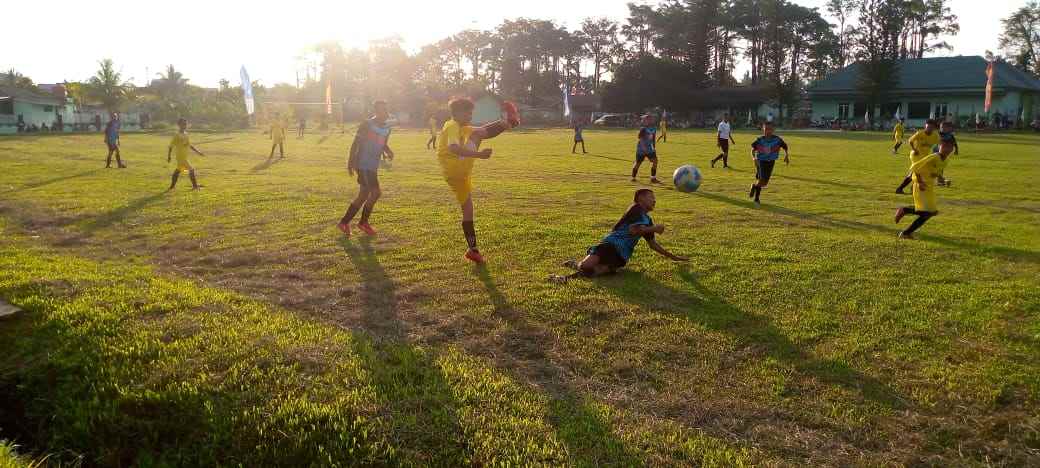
x,y
566,102
247,90
749,121
866,118
328,97
897,114
989,85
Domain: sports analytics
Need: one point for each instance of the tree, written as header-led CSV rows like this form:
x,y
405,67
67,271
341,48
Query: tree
x,y
1020,39
15,79
107,86
842,10
926,22
600,36
877,46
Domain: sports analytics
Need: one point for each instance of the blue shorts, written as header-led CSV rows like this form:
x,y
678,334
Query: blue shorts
x,y
651,156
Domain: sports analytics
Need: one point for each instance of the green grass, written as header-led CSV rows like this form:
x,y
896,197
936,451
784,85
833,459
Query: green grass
x,y
236,326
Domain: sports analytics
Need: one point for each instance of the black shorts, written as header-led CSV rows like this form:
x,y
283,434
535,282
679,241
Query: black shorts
x,y
368,179
724,144
651,157
608,255
764,170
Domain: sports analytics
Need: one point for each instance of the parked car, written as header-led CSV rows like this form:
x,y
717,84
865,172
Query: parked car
x,y
610,120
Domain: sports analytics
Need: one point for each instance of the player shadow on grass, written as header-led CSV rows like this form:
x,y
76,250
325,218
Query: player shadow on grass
x,y
588,435
266,164
826,182
54,180
114,216
969,247
711,311
379,300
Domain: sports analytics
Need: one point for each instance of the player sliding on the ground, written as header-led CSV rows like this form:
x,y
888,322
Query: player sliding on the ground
x,y
112,140
614,251
277,136
725,136
897,134
924,173
646,148
371,145
181,144
457,146
920,143
765,150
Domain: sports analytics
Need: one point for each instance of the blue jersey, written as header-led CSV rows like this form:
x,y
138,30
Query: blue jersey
x,y
112,131
647,137
768,147
370,142
622,240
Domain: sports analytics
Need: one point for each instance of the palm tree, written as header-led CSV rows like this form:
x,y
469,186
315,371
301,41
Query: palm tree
x,y
108,87
171,84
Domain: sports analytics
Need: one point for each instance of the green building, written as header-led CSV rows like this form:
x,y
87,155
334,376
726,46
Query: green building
x,y
31,107
952,88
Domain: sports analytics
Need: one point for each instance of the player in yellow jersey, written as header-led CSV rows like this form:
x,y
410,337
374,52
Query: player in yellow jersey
x,y
180,144
920,146
457,146
434,129
662,128
897,134
924,172
277,136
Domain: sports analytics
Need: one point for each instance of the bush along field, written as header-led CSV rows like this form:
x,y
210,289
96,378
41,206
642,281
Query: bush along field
x,y
236,326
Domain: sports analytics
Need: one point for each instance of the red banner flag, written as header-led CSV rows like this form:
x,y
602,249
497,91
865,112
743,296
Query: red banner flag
x,y
989,86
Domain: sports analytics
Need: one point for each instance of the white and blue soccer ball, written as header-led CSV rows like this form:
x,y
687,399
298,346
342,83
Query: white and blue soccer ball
x,y
687,178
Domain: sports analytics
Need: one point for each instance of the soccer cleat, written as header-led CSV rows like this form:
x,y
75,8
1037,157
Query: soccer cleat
x,y
904,235
559,279
345,228
653,180
713,163
366,228
899,214
900,192
751,194
512,114
633,179
474,256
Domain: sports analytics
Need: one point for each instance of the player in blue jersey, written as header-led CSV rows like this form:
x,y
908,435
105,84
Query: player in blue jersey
x,y
614,251
646,149
112,140
370,147
765,151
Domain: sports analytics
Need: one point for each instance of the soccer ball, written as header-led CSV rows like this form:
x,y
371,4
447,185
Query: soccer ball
x,y
687,178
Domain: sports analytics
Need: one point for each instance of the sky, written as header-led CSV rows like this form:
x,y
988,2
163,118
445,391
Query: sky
x,y
211,39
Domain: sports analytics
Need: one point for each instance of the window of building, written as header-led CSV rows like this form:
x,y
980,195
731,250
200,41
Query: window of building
x,y
941,109
843,111
919,110
7,106
48,108
859,110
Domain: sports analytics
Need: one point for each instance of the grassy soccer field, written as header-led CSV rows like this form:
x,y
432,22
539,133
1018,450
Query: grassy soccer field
x,y
237,325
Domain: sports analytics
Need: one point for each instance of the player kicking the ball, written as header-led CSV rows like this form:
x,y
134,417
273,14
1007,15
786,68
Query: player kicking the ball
x,y
614,251
457,147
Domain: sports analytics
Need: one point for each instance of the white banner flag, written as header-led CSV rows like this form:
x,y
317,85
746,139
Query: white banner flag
x,y
566,102
247,90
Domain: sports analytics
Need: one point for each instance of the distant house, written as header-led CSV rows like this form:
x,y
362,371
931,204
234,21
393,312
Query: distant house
x,y
746,105
28,107
51,106
941,87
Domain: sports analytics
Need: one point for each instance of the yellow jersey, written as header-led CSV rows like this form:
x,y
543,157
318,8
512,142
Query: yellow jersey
x,y
924,171
921,144
277,130
180,145
898,132
456,170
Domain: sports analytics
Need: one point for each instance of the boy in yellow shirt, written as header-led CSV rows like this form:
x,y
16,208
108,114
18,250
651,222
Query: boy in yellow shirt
x,y
920,147
924,172
181,144
434,128
898,133
277,136
457,147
